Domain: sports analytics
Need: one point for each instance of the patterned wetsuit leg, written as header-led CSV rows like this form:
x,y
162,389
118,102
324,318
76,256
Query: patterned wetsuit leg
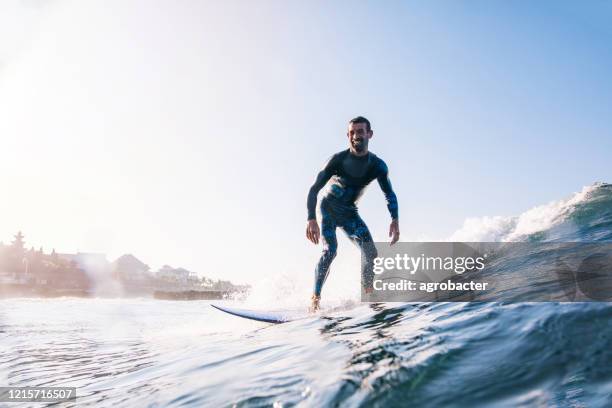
x,y
358,232
330,246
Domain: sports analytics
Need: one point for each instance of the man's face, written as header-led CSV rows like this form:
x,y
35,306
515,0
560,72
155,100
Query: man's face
x,y
359,136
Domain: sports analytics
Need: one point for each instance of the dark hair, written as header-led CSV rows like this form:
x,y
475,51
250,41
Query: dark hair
x,y
361,119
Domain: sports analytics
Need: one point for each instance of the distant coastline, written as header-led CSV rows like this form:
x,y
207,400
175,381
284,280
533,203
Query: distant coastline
x,y
34,273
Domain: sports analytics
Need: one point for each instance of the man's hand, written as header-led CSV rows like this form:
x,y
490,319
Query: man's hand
x,y
312,231
394,232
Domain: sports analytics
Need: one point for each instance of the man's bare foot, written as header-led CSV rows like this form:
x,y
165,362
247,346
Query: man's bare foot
x,y
314,305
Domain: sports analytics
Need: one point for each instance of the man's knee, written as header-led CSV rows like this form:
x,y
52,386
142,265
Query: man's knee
x,y
329,253
369,251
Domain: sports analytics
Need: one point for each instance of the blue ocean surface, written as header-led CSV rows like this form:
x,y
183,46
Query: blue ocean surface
x,y
146,352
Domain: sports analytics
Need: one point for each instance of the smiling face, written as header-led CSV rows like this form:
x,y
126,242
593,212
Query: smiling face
x,y
359,136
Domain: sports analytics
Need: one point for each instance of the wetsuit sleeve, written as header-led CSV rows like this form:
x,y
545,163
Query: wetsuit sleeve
x,y
385,186
322,178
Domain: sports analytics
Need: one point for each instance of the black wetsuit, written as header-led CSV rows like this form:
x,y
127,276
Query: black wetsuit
x,y
349,174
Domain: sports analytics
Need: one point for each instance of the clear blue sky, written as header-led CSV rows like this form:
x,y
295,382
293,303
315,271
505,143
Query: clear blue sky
x,y
189,132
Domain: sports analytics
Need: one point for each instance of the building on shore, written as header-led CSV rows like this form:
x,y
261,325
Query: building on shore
x,y
133,274
177,276
128,268
32,272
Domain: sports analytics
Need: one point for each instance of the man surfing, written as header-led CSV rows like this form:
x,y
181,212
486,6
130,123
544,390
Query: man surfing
x,y
351,171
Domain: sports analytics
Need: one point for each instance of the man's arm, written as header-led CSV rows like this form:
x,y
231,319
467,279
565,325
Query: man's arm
x,y
312,228
322,178
392,206
385,186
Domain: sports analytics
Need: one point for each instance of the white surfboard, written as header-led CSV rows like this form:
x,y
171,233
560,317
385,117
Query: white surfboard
x,y
262,316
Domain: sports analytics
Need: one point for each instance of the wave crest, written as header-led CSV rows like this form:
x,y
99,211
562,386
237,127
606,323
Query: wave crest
x,y
550,221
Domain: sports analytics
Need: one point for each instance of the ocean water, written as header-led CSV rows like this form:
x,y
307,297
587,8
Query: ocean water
x,y
144,352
